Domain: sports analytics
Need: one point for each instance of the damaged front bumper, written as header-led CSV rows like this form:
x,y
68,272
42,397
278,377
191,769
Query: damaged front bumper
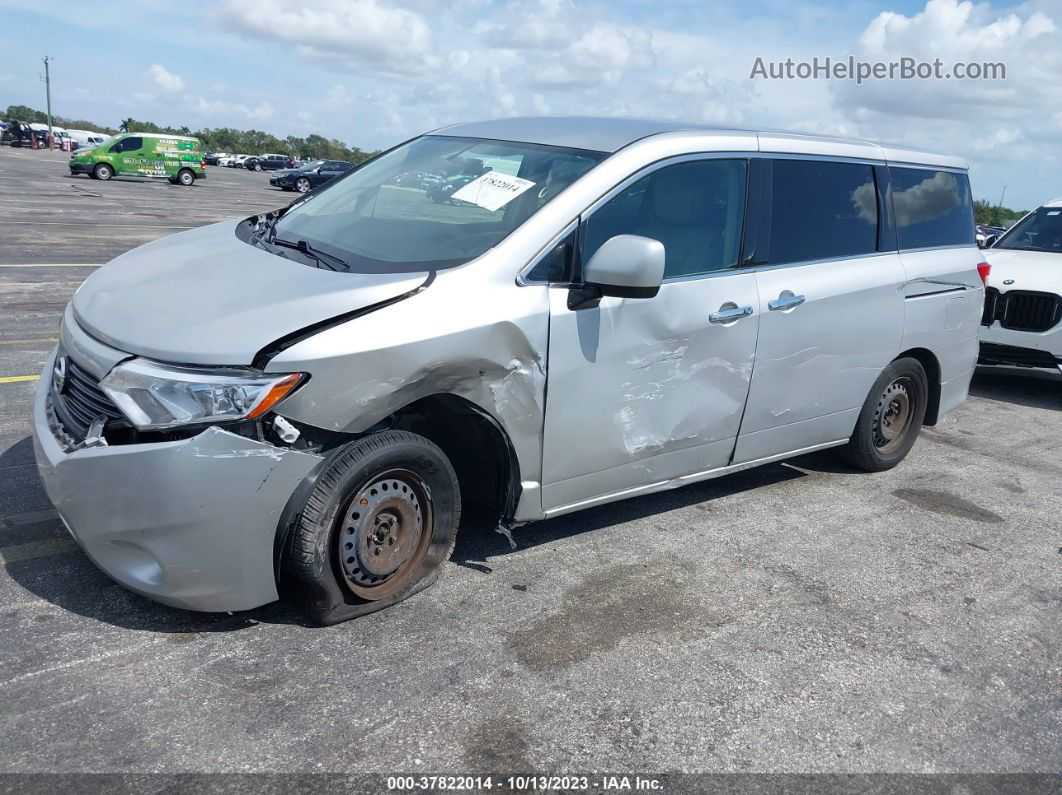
x,y
189,523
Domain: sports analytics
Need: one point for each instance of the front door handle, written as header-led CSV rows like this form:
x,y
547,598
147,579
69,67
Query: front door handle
x,y
729,312
785,301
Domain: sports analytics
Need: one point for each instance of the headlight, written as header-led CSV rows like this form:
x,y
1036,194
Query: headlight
x,y
154,396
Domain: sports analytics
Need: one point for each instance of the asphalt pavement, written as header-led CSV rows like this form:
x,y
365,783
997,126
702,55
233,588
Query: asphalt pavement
x,y
799,617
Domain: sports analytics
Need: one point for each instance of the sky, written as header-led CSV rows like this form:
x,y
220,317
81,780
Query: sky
x,y
373,73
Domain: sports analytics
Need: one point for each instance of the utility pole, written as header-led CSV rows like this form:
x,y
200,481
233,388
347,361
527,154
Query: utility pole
x,y
1004,193
48,94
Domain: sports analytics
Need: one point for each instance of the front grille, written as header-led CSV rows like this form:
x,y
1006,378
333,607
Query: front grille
x,y
81,401
1021,310
993,353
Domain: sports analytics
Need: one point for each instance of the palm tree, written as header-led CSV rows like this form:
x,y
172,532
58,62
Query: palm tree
x,y
126,124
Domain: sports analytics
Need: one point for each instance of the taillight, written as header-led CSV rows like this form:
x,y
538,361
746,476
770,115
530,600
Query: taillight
x,y
983,270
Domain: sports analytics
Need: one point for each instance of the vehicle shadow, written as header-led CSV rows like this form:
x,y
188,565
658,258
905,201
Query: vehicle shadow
x,y
1032,388
478,541
67,578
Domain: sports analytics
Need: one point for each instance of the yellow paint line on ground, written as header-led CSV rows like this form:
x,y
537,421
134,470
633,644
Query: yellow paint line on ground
x,y
29,342
15,379
17,553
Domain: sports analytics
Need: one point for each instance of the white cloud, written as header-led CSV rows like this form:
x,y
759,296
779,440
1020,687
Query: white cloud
x,y
1001,137
164,79
716,100
959,32
343,33
413,65
338,96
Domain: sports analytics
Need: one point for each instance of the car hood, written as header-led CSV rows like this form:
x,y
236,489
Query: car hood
x,y
283,172
1040,271
206,297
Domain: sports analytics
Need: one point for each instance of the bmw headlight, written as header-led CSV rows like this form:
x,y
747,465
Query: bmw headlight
x,y
154,396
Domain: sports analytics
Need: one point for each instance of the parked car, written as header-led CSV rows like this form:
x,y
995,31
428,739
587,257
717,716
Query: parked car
x,y
18,134
86,139
985,235
237,161
407,179
695,311
1022,320
21,134
177,158
212,158
268,162
312,175
226,159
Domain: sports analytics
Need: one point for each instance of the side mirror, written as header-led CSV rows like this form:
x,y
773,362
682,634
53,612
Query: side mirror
x,y
626,266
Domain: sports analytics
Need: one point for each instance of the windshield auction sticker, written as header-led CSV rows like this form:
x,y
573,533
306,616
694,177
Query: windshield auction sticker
x,y
492,190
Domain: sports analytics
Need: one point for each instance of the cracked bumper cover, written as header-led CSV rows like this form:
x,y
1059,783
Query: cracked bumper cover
x,y
188,523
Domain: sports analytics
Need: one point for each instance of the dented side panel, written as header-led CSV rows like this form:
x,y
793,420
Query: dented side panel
x,y
483,341
642,391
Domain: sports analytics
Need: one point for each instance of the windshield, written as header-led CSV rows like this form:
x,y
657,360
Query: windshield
x,y
1039,231
311,165
435,202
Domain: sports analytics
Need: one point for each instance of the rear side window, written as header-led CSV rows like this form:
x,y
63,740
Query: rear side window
x,y
696,209
933,208
822,210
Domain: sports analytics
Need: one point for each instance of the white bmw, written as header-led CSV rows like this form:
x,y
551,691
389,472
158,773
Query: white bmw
x,y
1022,321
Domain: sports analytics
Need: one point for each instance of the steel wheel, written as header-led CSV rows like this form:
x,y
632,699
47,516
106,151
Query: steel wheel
x,y
186,177
892,419
384,533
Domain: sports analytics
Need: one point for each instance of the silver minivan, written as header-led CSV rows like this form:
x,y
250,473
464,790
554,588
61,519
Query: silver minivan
x,y
538,314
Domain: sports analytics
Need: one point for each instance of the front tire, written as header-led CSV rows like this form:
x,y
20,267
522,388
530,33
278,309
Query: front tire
x,y
103,172
891,417
302,185
185,177
376,529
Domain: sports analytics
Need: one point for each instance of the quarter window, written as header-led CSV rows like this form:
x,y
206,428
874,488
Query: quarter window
x,y
933,208
695,209
556,264
822,210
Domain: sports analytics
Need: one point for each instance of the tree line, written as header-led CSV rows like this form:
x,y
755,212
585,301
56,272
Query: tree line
x,y
993,214
217,139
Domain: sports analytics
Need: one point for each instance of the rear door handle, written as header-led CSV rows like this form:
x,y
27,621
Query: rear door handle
x,y
785,301
728,313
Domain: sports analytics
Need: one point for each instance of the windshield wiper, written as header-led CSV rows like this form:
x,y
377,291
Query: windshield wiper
x,y
323,258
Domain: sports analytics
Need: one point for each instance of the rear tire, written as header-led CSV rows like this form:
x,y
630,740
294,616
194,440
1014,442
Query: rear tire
x,y
376,529
891,417
103,172
185,177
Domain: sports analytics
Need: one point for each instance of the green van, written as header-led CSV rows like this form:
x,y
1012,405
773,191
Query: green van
x,y
178,158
